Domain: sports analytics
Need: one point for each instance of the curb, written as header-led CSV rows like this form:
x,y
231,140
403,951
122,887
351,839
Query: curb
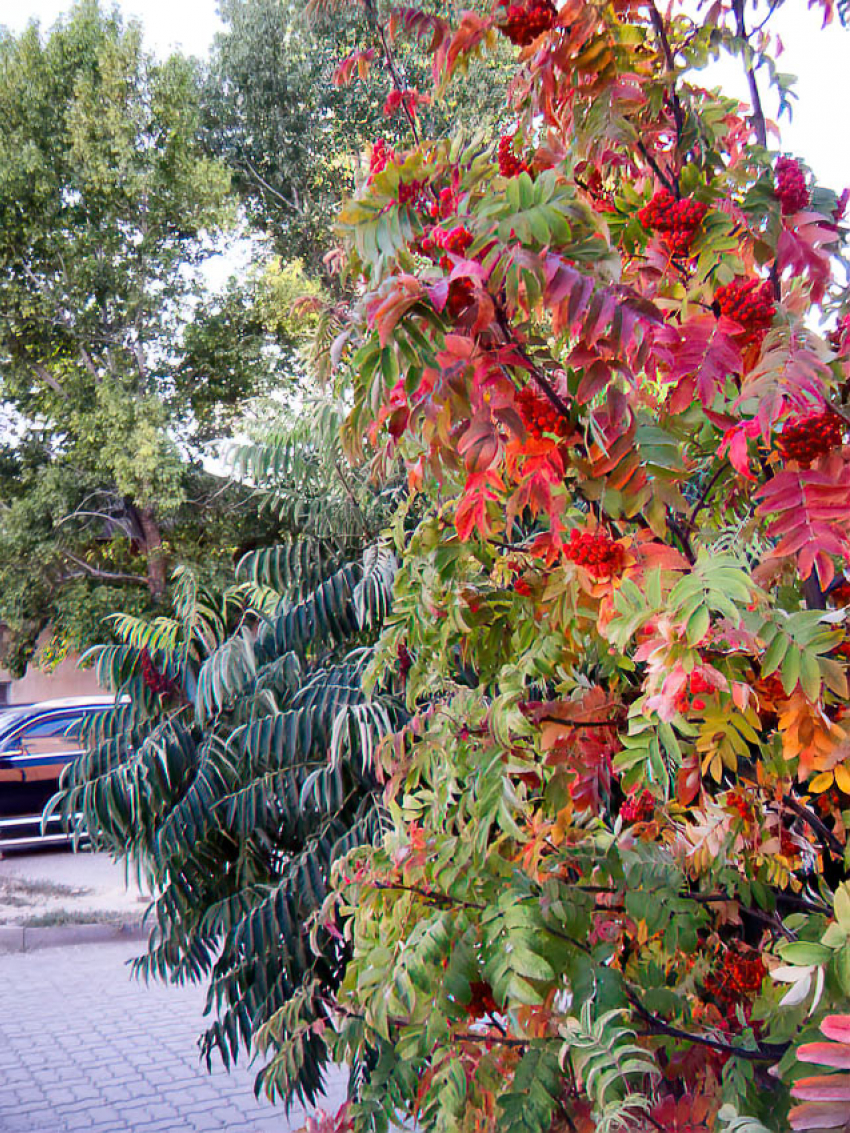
x,y
17,938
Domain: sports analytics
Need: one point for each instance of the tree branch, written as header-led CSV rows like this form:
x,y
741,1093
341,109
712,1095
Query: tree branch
x,y
105,575
759,123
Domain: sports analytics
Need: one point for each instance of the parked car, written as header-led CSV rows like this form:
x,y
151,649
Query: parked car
x,y
36,741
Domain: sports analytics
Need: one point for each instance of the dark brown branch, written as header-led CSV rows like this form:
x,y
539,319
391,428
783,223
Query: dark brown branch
x,y
764,1052
759,123
704,497
827,837
661,32
665,178
502,1040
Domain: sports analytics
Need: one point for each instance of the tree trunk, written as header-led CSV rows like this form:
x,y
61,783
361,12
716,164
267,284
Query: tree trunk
x,y
157,573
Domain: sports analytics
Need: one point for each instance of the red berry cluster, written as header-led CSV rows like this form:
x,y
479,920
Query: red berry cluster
x,y
153,678
749,303
523,23
691,698
439,244
445,205
600,556
675,221
739,802
840,594
509,164
807,439
738,977
638,808
539,414
791,190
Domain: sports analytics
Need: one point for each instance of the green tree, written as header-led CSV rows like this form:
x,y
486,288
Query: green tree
x,y
117,365
276,112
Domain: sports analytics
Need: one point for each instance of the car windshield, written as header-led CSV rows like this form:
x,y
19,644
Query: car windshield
x,y
10,720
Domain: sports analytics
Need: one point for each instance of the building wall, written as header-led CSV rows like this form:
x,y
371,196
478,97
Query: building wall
x,y
64,680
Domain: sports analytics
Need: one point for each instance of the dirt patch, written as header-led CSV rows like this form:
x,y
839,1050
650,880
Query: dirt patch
x,y
64,889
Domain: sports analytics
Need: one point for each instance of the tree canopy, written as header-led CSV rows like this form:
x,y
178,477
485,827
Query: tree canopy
x,y
117,364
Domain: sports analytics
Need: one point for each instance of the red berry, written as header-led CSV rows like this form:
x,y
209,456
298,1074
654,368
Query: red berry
x,y
509,164
600,556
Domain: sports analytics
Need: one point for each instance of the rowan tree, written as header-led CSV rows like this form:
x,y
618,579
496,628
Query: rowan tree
x,y
613,891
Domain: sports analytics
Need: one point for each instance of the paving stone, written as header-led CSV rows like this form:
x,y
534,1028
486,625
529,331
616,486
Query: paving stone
x,y
83,1046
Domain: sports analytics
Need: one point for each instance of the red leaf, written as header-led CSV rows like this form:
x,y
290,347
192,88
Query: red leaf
x,y
481,488
701,361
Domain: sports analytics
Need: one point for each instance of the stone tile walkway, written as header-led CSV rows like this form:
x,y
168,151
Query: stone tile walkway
x,y
85,1047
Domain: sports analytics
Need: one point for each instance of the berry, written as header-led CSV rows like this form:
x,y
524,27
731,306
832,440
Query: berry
x,y
810,437
690,698
674,221
638,808
600,556
523,23
539,414
738,977
440,244
749,303
509,164
790,188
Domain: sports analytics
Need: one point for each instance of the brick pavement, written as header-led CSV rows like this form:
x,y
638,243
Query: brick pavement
x,y
85,1047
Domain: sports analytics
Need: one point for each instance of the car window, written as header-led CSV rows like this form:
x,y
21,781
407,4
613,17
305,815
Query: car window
x,y
67,726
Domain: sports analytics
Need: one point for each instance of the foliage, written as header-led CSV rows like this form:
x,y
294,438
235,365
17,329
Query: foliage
x,y
613,891
239,766
117,364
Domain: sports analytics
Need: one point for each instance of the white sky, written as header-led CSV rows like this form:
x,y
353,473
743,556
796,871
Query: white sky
x,y
819,133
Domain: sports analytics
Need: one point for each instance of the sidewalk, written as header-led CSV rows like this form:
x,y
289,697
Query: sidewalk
x,y
51,898
85,1048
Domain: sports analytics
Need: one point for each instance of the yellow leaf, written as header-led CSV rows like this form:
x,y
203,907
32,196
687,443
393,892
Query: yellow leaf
x,y
842,778
821,782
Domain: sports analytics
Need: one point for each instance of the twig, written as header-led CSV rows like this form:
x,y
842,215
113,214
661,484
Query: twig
x,y
706,492
661,31
665,178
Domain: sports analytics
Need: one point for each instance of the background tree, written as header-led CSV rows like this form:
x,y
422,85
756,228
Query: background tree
x,y
276,113
116,364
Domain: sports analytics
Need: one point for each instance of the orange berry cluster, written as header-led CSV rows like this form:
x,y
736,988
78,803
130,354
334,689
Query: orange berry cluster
x,y
807,439
739,802
749,303
523,23
509,164
157,682
791,189
675,221
539,414
600,556
738,978
638,808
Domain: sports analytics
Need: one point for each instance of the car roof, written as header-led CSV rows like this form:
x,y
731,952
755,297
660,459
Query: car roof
x,y
16,717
